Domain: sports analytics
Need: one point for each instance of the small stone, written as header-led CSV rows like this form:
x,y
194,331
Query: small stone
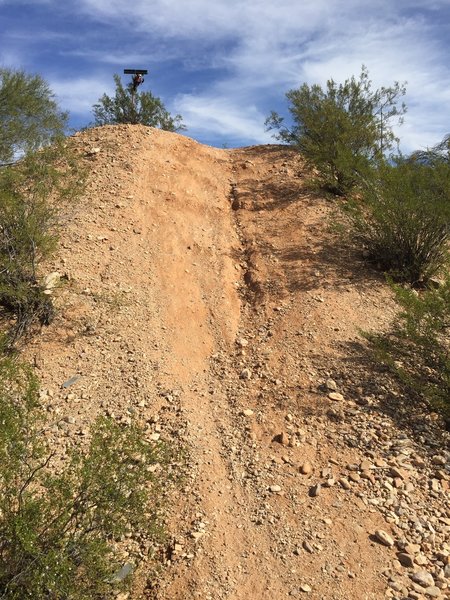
x,y
247,412
406,560
384,538
307,546
315,490
345,483
331,385
396,585
335,396
435,485
398,473
306,468
242,342
365,465
412,548
245,374
415,595
52,280
306,588
123,573
432,592
423,578
275,489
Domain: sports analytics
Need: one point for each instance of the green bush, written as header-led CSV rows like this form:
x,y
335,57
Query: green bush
x,y
32,192
58,524
29,114
128,106
342,130
419,347
403,221
32,196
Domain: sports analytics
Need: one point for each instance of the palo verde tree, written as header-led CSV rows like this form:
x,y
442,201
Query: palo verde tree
x,y
343,129
32,191
29,114
129,106
403,221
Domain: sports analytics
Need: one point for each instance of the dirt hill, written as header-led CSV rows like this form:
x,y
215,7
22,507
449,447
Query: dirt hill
x,y
208,297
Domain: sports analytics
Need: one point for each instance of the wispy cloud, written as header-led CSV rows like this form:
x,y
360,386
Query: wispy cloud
x,y
226,118
224,61
81,94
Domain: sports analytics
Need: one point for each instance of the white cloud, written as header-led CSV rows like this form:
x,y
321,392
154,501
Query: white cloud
x,y
234,121
79,95
257,49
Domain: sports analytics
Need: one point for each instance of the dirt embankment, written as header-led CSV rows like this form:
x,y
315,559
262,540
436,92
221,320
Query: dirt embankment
x,y
208,298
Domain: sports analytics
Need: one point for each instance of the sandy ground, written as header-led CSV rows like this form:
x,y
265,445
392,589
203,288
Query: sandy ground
x,y
208,297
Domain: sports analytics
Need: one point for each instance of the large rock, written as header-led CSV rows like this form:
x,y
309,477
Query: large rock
x,y
423,578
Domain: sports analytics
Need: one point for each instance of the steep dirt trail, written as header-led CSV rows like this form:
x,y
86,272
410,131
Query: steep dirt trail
x,y
208,299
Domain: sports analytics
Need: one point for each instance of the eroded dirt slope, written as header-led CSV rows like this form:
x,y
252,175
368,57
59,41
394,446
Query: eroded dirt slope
x,y
208,298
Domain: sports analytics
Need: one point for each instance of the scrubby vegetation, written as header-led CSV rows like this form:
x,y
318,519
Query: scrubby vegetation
x,y
60,516
128,106
402,219
418,349
399,207
32,190
29,114
342,131
398,210
32,196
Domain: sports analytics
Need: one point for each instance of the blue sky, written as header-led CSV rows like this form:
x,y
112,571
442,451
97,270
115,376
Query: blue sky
x,y
225,64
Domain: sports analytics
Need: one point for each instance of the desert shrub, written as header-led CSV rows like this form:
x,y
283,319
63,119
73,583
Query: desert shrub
x,y
418,349
59,520
29,114
32,196
403,220
129,106
341,130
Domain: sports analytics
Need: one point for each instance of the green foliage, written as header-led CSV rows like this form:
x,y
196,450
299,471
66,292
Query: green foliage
x,y
32,195
58,524
404,219
343,130
128,106
29,115
419,347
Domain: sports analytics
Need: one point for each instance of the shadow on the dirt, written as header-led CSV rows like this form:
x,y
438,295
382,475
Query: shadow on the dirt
x,y
375,387
332,264
308,252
